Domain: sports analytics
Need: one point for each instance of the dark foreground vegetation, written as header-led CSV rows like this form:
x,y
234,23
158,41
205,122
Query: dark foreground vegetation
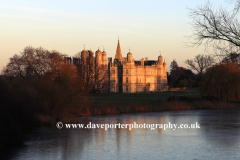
x,y
26,104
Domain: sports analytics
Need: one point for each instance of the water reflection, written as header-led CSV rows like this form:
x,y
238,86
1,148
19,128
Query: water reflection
x,y
223,130
218,137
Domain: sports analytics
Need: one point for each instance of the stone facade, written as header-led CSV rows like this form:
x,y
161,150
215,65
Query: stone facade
x,y
132,76
129,76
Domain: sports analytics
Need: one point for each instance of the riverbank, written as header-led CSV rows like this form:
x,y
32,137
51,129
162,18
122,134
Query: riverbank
x,y
218,131
18,122
173,103
28,104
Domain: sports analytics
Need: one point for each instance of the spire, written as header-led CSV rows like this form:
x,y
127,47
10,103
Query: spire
x,y
118,52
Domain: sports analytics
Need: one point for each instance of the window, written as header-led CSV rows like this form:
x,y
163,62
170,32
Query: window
x,y
126,71
126,88
112,71
126,79
112,79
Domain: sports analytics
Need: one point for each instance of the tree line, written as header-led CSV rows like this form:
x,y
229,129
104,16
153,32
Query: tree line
x,y
218,29
52,65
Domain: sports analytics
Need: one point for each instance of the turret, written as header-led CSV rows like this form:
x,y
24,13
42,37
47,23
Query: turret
x,y
160,59
90,56
84,56
164,64
142,62
104,57
160,66
109,60
164,68
90,53
98,56
129,56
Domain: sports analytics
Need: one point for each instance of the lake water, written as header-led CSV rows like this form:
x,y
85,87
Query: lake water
x,y
217,138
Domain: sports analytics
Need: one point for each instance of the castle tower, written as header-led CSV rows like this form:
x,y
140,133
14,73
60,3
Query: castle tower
x,y
164,66
84,56
104,57
90,56
129,56
160,59
160,65
90,53
159,73
118,54
164,81
98,56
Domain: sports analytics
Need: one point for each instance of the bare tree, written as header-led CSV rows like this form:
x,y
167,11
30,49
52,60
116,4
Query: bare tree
x,y
200,62
94,77
173,65
216,28
101,78
40,62
15,67
232,57
34,61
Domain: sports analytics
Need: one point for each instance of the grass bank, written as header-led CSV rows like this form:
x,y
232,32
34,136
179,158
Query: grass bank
x,y
126,98
24,105
156,106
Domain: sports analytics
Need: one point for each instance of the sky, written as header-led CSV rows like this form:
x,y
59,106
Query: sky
x,y
147,27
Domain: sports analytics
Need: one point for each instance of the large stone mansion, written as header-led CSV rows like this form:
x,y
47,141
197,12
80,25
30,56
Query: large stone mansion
x,y
129,76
